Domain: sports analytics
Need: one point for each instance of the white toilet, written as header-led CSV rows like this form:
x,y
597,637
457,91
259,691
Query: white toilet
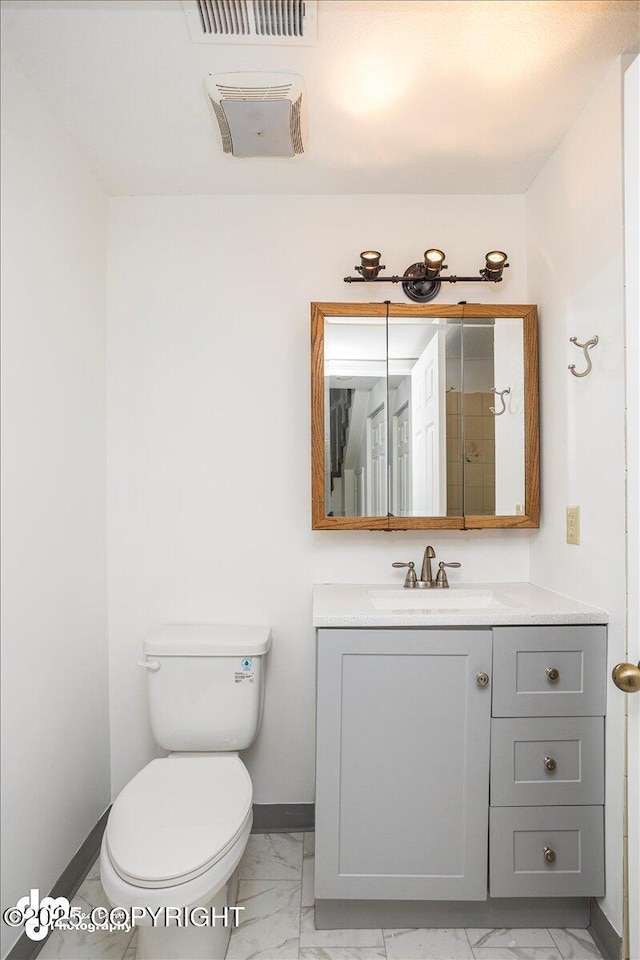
x,y
177,831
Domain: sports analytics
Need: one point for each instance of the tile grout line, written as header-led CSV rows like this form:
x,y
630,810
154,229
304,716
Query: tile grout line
x,y
555,942
559,948
133,933
466,933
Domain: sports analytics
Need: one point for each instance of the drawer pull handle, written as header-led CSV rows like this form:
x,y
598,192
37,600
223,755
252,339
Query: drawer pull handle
x,y
482,679
553,675
549,855
550,765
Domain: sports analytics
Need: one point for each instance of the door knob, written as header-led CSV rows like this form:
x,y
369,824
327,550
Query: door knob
x,y
482,679
626,677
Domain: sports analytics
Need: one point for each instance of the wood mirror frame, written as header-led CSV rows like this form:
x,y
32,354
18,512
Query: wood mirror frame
x,y
531,516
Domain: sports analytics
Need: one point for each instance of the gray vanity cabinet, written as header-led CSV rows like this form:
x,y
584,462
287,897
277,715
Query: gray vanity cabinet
x,y
405,808
402,777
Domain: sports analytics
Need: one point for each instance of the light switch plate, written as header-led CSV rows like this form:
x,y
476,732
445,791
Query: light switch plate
x,y
573,525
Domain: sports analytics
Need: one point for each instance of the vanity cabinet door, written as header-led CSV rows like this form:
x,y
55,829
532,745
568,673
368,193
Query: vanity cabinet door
x,y
402,764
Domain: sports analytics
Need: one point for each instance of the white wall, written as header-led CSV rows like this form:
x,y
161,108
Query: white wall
x,y
575,258
209,432
55,741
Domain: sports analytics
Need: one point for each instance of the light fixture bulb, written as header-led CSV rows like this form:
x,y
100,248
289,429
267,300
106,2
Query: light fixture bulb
x,y
496,261
369,264
433,263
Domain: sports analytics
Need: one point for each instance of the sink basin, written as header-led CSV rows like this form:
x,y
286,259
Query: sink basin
x,y
453,598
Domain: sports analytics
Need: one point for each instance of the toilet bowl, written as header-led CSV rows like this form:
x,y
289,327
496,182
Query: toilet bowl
x,y
178,829
174,838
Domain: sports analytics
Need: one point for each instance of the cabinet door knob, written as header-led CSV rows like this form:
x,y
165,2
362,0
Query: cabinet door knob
x,y
482,679
550,764
549,855
553,675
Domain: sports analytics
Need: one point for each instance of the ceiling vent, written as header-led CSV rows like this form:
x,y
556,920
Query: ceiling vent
x,y
259,114
275,22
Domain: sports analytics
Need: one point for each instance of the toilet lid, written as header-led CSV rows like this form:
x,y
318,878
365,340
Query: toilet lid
x,y
177,817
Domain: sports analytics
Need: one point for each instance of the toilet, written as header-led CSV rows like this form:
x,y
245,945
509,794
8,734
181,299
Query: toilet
x,y
177,831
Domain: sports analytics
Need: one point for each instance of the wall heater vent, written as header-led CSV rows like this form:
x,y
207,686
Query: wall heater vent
x,y
276,22
259,114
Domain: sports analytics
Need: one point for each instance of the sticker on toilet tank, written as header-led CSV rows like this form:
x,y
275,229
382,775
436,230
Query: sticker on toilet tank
x,y
245,674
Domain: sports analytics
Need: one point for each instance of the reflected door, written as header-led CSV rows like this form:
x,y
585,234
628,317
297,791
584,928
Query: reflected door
x,y
355,417
401,447
377,462
428,416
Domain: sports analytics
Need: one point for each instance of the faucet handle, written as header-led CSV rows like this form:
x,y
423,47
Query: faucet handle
x,y
441,578
411,578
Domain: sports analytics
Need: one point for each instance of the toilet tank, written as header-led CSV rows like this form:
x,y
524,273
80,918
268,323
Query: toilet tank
x,y
206,685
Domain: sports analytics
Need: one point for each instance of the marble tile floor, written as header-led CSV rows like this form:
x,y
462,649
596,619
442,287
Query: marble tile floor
x,y
276,890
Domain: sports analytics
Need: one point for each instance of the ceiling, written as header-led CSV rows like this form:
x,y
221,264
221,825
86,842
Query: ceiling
x,y
404,96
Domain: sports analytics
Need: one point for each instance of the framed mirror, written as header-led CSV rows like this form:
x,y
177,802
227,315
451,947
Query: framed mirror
x,y
424,416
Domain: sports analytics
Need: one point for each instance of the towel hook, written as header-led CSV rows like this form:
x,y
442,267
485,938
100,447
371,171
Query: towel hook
x,y
586,347
499,393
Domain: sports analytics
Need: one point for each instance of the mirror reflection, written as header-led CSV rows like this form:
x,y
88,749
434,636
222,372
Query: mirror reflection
x,y
355,377
423,416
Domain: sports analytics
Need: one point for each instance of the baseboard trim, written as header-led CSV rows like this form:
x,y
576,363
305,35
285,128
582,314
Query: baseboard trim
x,y
608,940
65,886
283,817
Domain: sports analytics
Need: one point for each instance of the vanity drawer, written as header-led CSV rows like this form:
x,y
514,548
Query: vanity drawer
x,y
549,671
549,761
546,852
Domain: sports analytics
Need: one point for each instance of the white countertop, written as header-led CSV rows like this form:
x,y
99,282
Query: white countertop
x,y
354,605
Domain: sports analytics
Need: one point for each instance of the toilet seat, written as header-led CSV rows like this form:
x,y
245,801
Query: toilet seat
x,y
177,818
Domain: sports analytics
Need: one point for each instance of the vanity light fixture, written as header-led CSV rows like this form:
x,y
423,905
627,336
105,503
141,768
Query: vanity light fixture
x,y
496,261
421,281
370,265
